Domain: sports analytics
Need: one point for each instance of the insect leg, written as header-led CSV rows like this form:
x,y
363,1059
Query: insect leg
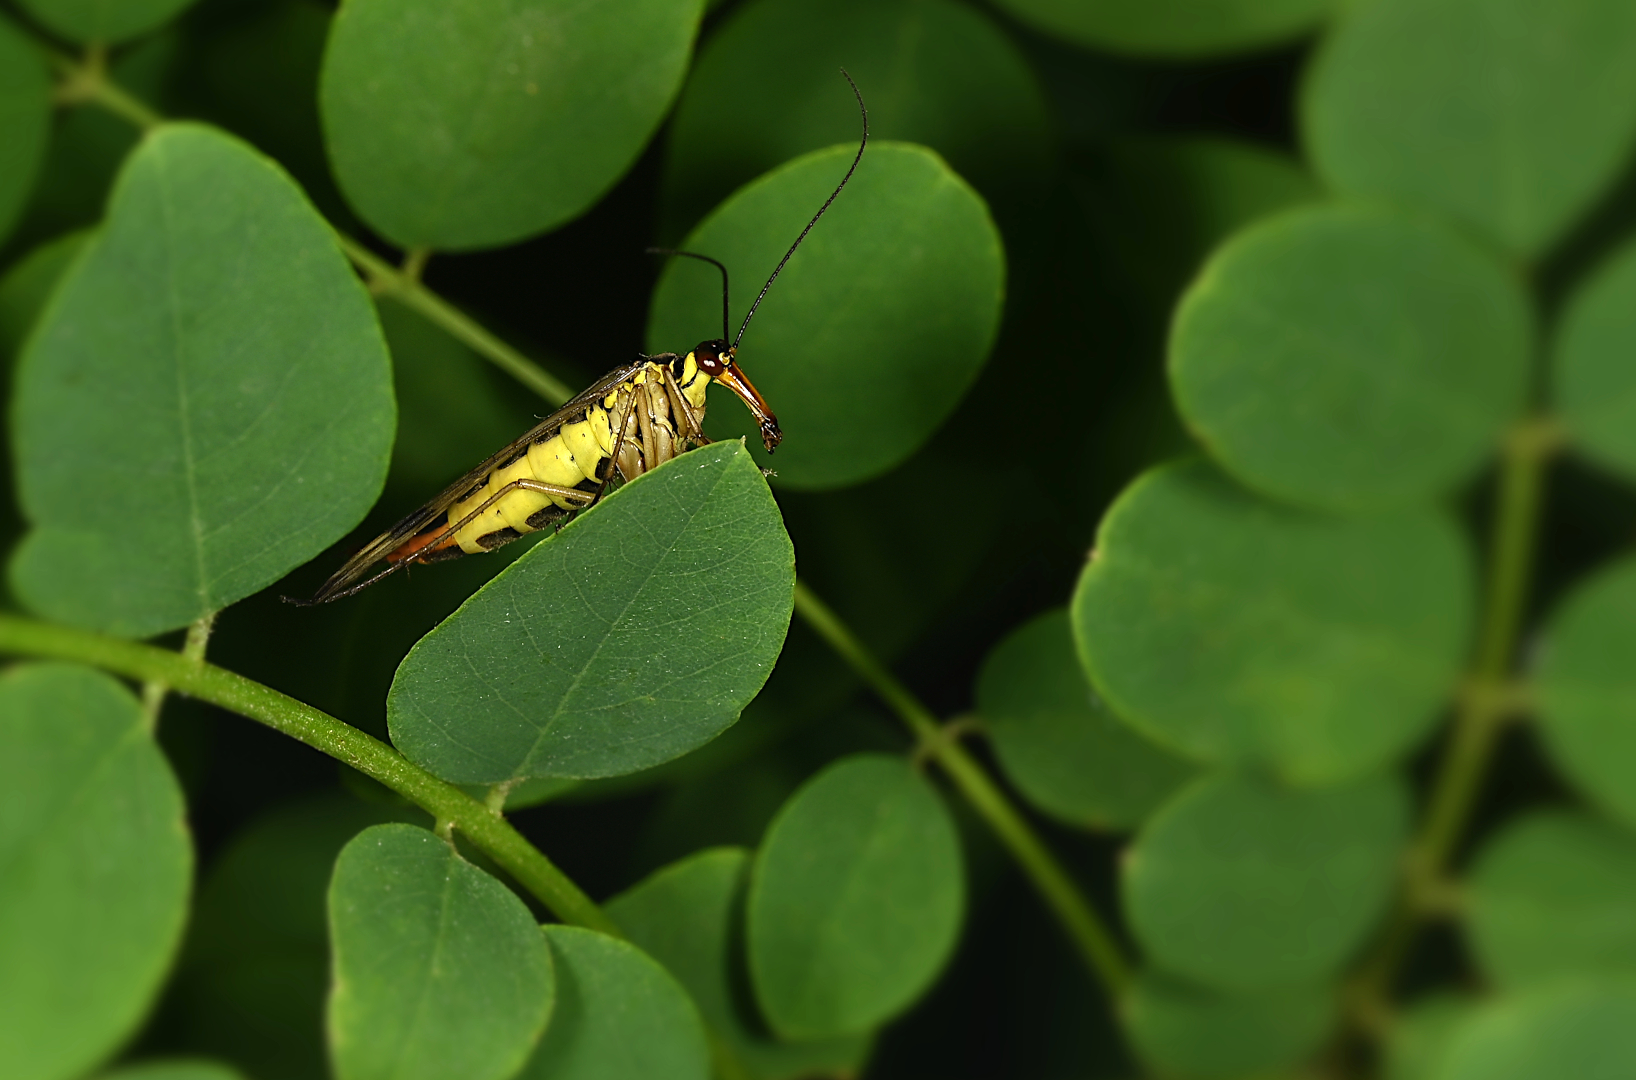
x,y
613,458
684,409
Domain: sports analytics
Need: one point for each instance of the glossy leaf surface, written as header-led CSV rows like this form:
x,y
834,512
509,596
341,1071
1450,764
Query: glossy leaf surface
x,y
25,120
440,970
688,916
1242,632
856,899
1181,1031
1506,114
477,124
1586,688
876,327
1172,28
97,865
633,636
619,1016
1351,358
1243,885
229,370
1059,742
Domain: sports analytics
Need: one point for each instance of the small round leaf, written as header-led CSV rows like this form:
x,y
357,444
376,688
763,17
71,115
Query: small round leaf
x,y
1550,896
636,634
1586,688
175,1069
440,970
1351,358
94,891
619,1016
1510,115
856,899
25,120
1243,885
102,21
1593,381
688,917
207,396
476,124
1059,743
1172,28
1242,632
1586,1031
767,88
1421,1035
877,326
1185,1032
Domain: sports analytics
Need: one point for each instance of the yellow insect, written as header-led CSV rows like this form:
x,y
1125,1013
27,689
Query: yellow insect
x,y
636,417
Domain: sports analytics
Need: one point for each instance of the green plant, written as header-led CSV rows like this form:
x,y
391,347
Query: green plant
x,y
218,376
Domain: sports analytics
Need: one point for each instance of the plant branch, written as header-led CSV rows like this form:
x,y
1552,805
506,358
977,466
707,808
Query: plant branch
x,y
87,82
1482,710
1102,954
235,693
193,648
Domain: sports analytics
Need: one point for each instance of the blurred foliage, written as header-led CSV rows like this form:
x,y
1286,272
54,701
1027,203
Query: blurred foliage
x,y
1218,412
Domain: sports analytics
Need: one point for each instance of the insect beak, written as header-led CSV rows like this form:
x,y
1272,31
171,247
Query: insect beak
x,y
735,381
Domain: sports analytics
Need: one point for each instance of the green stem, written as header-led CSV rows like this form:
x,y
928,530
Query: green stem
x,y
206,682
1072,909
386,279
1484,706
155,690
87,82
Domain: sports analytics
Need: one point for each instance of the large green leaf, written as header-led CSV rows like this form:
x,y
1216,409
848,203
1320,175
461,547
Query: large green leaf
x,y
875,328
1593,381
205,404
767,88
1242,632
1059,742
1243,885
619,1016
175,1069
1510,115
1550,897
25,120
1586,1031
856,899
1421,1034
688,917
94,868
1185,1032
440,970
102,21
479,123
1172,28
635,635
1351,358
1586,689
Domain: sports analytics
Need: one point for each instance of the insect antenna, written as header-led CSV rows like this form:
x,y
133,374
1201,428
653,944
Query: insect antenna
x,y
780,267
712,262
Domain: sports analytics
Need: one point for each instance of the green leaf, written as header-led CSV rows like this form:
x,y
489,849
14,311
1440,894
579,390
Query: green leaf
x,y
230,367
451,415
1584,1031
1421,1035
25,120
27,285
1059,743
856,899
1172,28
688,917
619,1016
767,88
636,634
1586,689
440,970
1550,897
876,327
1185,1032
175,1069
1243,885
1351,358
1242,632
477,124
96,861
1510,115
253,974
1593,382
103,21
